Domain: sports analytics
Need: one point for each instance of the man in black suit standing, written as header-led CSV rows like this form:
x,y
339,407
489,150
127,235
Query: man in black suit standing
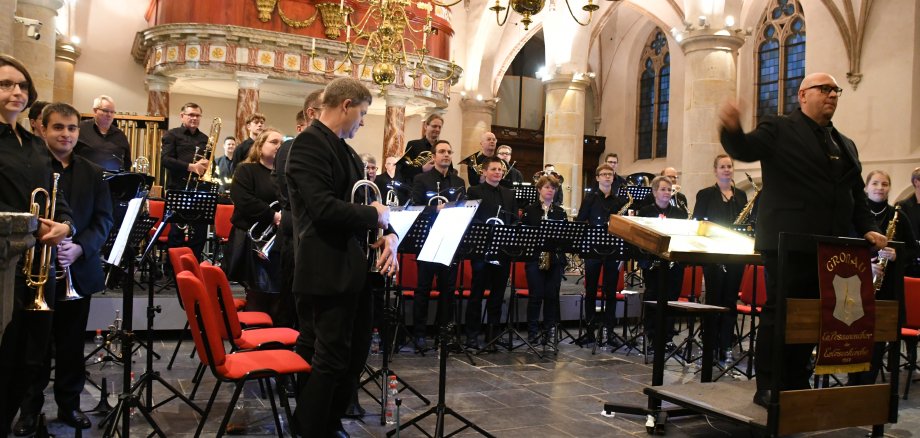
x,y
405,169
92,218
331,284
813,185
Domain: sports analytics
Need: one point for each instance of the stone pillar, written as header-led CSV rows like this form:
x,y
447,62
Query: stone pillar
x,y
710,78
247,100
15,236
7,24
158,95
564,132
66,54
394,128
37,55
477,119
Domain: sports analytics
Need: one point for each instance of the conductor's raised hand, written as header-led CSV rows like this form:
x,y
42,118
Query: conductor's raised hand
x,y
387,263
383,215
730,116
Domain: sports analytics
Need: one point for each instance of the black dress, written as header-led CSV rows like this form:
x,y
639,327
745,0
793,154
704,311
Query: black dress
x,y
253,191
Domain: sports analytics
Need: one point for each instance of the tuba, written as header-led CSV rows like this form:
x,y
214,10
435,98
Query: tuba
x,y
372,255
38,280
141,165
208,154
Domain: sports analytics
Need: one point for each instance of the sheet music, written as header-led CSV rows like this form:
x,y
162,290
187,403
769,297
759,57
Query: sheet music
x,y
402,219
447,232
124,232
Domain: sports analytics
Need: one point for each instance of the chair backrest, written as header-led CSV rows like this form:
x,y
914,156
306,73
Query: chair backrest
x,y
747,286
693,281
203,321
912,302
520,276
156,208
175,257
408,272
222,225
215,281
621,278
188,262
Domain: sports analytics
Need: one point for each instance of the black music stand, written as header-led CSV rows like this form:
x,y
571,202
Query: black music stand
x,y
525,194
560,237
517,243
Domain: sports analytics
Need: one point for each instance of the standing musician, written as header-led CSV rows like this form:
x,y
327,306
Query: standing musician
x,y
613,160
385,182
512,176
102,141
80,255
254,195
878,186
544,276
332,285
406,167
223,164
596,209
661,207
475,164
184,154
25,164
442,180
721,203
255,123
496,202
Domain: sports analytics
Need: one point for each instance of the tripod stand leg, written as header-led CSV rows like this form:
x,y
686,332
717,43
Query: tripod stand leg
x,y
155,377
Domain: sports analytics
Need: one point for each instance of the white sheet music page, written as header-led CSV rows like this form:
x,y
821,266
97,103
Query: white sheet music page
x,y
446,233
402,219
118,250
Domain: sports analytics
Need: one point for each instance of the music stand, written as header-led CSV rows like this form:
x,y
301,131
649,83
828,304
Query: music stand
x,y
191,207
560,237
525,194
410,244
638,193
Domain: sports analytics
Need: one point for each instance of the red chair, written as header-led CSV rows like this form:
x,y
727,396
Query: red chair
x,y
693,284
157,208
749,306
910,332
222,228
236,368
187,262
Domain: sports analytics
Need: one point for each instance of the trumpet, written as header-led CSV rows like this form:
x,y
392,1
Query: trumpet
x,y
266,238
38,280
496,220
438,199
207,154
70,293
372,255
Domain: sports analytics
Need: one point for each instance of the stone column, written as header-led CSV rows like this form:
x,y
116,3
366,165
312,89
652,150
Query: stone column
x,y
710,78
158,95
66,54
247,99
394,128
15,236
564,132
7,24
37,55
477,119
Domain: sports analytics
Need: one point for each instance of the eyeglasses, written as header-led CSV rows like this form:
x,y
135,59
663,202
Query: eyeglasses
x,y
371,168
826,89
8,85
504,153
192,115
109,112
605,175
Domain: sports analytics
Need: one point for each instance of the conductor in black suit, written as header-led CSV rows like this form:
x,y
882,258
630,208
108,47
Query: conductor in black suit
x,y
812,184
332,284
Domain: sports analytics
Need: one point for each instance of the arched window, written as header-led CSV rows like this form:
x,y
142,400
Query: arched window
x,y
654,97
780,62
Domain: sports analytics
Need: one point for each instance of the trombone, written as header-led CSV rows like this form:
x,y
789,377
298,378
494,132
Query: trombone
x,y
38,280
207,154
372,255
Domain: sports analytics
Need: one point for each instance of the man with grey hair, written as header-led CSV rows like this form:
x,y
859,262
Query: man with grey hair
x,y
102,141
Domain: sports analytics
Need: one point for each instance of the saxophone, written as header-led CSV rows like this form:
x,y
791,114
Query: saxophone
x,y
629,202
749,207
545,257
883,261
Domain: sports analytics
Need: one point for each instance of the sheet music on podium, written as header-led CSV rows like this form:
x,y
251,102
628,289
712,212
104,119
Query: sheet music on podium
x,y
124,232
447,231
402,219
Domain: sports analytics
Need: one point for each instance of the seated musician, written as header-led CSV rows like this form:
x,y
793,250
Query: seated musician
x,y
596,209
544,276
661,207
721,203
497,203
878,185
254,195
442,180
79,255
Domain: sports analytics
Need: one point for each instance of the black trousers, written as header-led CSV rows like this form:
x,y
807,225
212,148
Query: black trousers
x,y
722,285
801,282
495,278
674,281
287,315
341,331
447,279
543,291
611,270
66,348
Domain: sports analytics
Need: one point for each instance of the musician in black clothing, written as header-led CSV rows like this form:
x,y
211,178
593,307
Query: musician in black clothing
x,y
496,202
25,164
721,203
101,141
475,164
184,154
223,165
387,182
92,214
255,199
255,124
442,180
677,197
613,160
878,185
512,176
596,209
406,168
661,208
544,279
910,206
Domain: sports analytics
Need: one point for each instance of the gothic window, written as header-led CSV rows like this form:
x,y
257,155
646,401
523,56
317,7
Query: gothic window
x,y
780,58
654,97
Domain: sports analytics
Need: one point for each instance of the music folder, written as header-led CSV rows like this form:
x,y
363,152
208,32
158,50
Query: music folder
x,y
447,231
124,232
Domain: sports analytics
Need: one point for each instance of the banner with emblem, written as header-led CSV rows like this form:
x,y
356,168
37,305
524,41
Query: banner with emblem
x,y
847,331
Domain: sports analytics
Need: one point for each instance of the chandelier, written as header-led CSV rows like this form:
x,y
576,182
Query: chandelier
x,y
527,8
391,42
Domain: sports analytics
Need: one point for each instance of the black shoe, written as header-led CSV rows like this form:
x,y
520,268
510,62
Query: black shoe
x,y
25,425
421,344
762,397
355,411
74,418
533,337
